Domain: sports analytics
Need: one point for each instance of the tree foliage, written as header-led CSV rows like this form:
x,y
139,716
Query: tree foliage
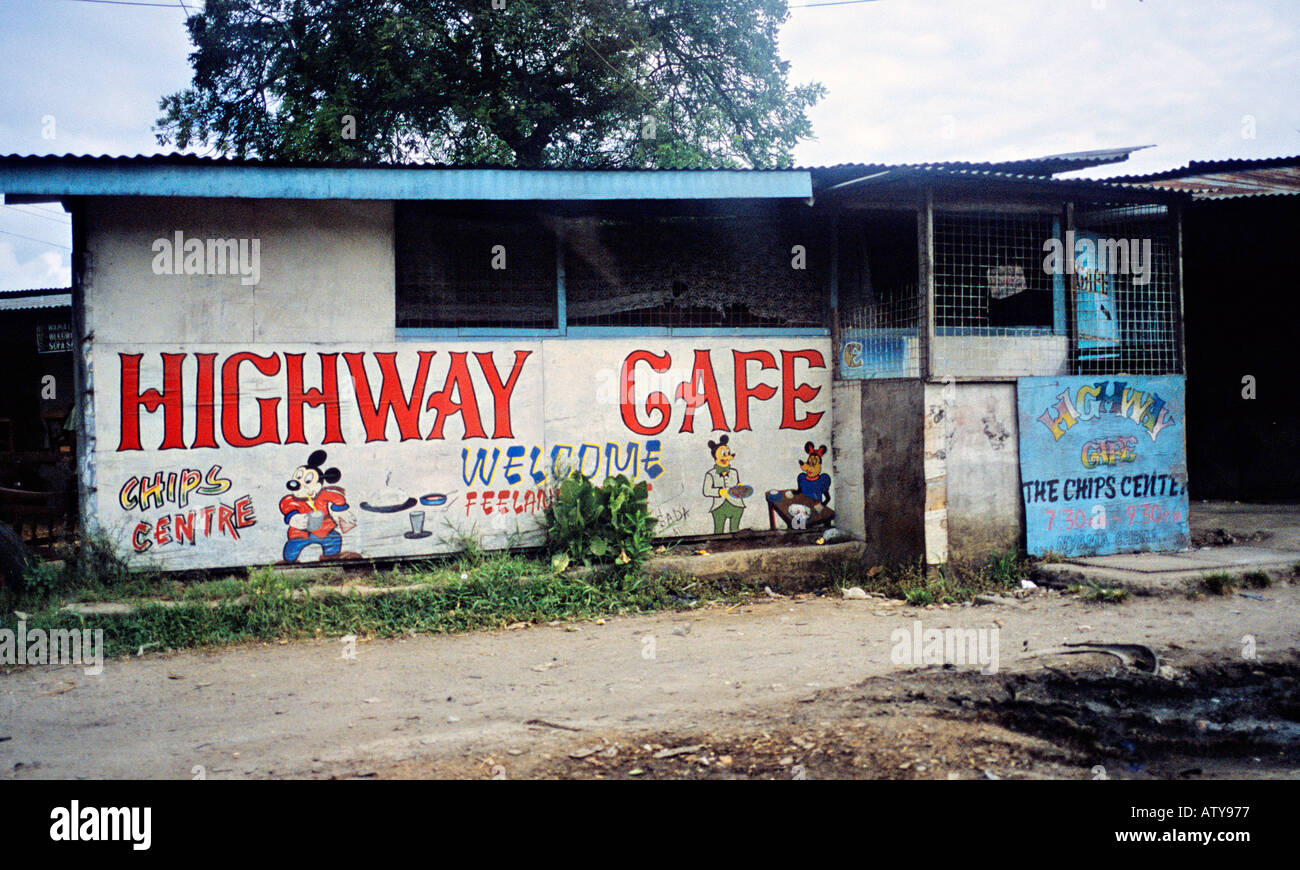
x,y
669,83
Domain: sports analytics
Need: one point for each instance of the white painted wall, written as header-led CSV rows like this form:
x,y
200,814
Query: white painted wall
x,y
1000,356
849,495
326,272
563,410
325,289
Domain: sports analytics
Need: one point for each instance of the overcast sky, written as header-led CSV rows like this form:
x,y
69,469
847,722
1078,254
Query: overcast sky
x,y
907,80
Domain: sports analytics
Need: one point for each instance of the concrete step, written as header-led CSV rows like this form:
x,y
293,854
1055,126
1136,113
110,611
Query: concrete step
x,y
1168,573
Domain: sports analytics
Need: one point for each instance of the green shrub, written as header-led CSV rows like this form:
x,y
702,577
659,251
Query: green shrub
x,y
609,523
1219,583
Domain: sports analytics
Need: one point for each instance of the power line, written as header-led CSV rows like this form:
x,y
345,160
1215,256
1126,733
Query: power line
x,y
60,213
39,241
132,3
831,3
42,215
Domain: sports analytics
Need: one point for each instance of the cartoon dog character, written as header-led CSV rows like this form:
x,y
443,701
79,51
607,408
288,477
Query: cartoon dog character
x,y
316,513
722,484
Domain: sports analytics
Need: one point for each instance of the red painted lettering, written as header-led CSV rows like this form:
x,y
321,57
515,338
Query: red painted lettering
x,y
656,402
744,391
326,397
802,393
465,403
392,398
268,427
169,398
501,393
702,389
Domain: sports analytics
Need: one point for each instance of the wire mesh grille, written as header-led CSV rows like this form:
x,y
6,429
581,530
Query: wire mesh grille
x,y
881,339
988,274
696,272
880,312
1124,290
1112,288
478,272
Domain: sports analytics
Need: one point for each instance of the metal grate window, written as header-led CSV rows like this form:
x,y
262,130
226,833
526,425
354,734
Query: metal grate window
x,y
880,310
1124,293
988,274
487,271
695,272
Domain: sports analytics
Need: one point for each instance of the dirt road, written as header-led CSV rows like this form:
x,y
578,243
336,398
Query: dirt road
x,y
589,699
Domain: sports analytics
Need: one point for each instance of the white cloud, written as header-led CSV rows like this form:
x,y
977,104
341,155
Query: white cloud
x,y
1020,78
47,269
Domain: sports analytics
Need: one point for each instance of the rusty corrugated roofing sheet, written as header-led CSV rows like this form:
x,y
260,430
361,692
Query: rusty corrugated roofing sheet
x,y
1227,179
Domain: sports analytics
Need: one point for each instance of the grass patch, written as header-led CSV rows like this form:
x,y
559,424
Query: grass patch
x,y
952,583
89,570
1091,591
1219,583
471,592
1256,580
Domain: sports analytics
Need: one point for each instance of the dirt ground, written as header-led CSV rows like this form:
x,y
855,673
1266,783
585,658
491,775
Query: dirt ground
x,y
1071,722
800,687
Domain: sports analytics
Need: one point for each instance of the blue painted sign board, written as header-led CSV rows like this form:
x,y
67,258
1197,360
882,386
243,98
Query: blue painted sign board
x,y
1103,463
1097,326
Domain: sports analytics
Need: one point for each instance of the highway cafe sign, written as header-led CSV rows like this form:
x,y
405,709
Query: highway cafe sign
x,y
1103,464
213,456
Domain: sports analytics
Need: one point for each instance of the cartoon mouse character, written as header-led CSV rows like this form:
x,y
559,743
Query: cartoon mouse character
x,y
812,482
722,484
316,513
806,505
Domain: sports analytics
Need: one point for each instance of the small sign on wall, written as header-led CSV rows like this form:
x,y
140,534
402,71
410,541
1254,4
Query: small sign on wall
x,y
54,337
1103,464
1005,281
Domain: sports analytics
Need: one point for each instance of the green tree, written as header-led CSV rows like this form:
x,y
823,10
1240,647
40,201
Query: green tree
x,y
669,83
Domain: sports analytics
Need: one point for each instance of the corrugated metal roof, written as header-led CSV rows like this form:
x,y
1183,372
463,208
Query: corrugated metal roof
x,y
1228,179
881,175
176,158
1050,164
192,176
25,300
1044,165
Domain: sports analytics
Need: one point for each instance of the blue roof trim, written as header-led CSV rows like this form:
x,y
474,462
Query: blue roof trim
x,y
41,176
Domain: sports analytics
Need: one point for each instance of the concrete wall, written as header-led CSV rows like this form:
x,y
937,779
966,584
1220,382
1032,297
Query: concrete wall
x,y
210,392
940,468
892,413
846,449
985,513
326,271
1000,356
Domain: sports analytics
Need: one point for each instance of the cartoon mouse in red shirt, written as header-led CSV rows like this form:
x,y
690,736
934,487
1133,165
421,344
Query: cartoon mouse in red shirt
x,y
316,513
